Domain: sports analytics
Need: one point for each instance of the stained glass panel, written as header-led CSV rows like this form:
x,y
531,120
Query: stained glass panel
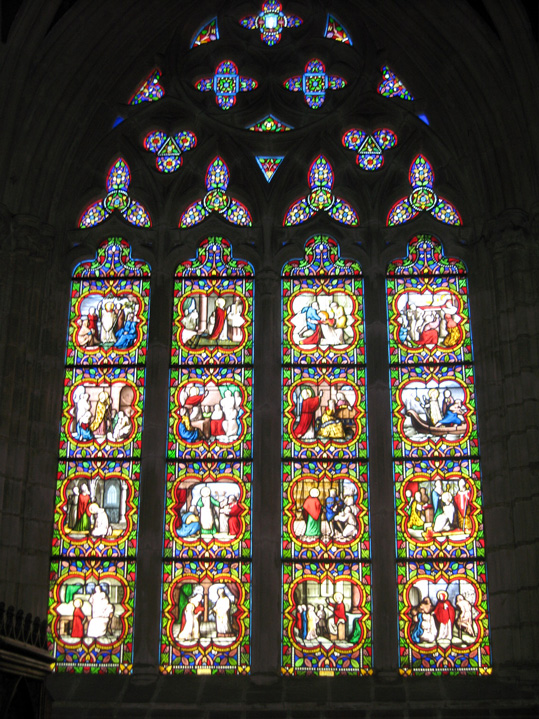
x,y
391,86
91,606
96,509
336,493
439,508
206,618
327,619
223,488
443,618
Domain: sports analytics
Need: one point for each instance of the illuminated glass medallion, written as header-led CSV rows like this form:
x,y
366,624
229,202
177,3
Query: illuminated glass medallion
x,y
270,124
391,86
321,198
150,90
226,83
422,198
369,148
269,166
314,83
207,539
336,31
271,21
169,148
117,198
94,542
326,591
207,33
443,613
216,200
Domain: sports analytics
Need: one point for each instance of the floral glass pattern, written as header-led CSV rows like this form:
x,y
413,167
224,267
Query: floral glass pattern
x,y
270,123
207,33
314,83
207,544
321,198
94,543
226,83
169,148
217,200
391,86
151,89
336,31
269,165
271,21
441,574
325,539
117,198
369,148
422,198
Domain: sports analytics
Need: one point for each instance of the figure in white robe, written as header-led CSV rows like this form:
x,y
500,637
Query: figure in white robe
x,y
445,521
102,611
108,323
101,526
222,618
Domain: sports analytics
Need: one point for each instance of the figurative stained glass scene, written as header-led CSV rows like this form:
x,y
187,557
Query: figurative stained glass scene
x,y
443,613
327,619
95,523
206,601
326,606
321,179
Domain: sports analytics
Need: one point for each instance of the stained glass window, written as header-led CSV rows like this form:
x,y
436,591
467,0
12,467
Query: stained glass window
x,y
169,148
207,545
117,198
422,198
336,31
92,577
270,124
314,82
217,200
226,83
150,90
369,148
441,571
270,22
269,165
207,33
321,198
325,542
391,86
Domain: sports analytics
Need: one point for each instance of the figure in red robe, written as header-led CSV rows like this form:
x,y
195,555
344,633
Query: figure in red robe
x,y
429,333
234,513
305,427
219,319
444,612
77,629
